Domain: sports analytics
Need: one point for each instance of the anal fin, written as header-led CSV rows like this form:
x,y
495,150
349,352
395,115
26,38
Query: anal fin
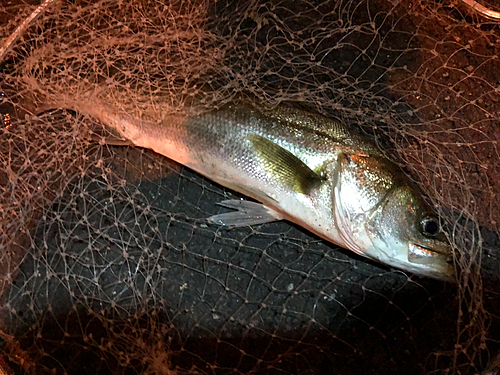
x,y
248,213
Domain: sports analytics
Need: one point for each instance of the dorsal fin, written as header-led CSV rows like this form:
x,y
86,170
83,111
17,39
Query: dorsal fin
x,y
333,128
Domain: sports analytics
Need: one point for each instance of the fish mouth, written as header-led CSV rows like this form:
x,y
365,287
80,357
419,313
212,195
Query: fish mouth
x,y
421,254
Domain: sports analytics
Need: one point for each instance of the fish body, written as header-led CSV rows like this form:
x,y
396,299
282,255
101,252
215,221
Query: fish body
x,y
304,168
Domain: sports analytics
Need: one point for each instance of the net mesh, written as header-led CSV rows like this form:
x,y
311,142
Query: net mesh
x,y
106,262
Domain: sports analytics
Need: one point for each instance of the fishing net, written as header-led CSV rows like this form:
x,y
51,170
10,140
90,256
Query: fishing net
x,y
107,265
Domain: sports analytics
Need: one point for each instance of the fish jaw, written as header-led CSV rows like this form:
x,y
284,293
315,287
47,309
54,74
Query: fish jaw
x,y
438,266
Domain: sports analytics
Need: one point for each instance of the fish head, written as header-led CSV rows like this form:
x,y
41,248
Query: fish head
x,y
383,216
406,230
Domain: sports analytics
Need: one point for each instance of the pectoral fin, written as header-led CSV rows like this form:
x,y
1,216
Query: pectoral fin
x,y
284,166
248,213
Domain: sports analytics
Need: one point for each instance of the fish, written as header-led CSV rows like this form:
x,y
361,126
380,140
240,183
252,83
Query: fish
x,y
302,167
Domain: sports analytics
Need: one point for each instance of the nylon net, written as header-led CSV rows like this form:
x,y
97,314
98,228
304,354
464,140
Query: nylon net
x,y
107,265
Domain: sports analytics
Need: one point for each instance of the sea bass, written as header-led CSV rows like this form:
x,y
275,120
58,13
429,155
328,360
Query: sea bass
x,y
301,167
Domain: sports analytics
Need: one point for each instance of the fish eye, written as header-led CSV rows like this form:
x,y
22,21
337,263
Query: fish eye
x,y
429,226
